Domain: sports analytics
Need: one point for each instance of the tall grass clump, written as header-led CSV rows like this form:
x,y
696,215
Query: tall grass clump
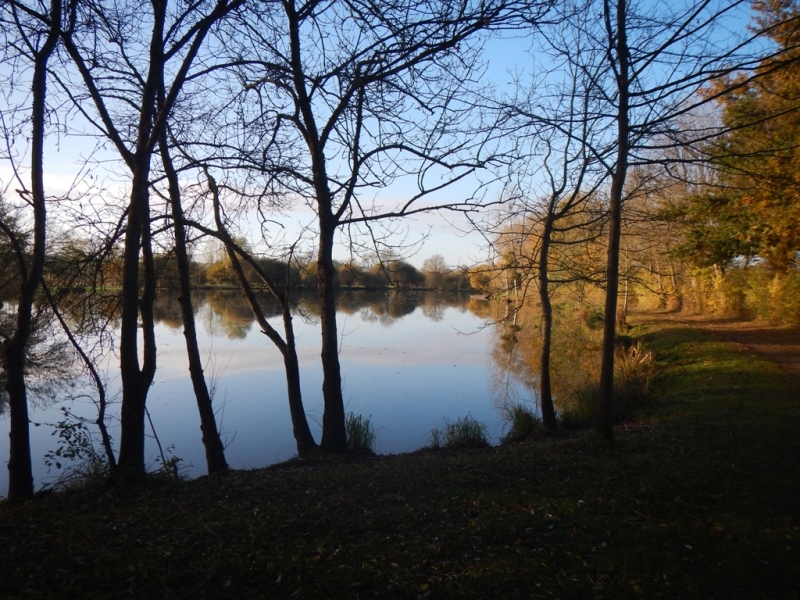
x,y
522,422
360,434
633,371
634,368
465,432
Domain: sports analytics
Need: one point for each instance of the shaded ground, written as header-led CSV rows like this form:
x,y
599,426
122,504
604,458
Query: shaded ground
x,y
780,345
699,502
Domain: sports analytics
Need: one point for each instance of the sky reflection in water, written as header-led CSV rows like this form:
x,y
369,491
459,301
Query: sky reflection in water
x,y
409,373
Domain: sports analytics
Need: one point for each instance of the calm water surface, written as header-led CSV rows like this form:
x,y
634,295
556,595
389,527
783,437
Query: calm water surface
x,y
409,363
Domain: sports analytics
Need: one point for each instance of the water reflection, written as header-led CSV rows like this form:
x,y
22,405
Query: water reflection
x,y
228,313
516,351
411,360
51,370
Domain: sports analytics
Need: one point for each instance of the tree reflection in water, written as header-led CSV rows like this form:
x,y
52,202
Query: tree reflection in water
x,y
51,370
411,362
516,354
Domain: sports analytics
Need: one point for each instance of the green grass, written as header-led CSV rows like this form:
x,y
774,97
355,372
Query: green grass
x,y
360,434
697,500
464,432
522,422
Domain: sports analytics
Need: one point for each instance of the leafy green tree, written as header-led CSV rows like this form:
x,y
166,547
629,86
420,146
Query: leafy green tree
x,y
753,208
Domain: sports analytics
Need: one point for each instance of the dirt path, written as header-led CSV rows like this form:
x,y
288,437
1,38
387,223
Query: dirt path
x,y
781,345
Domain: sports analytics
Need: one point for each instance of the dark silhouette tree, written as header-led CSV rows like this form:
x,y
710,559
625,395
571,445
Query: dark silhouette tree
x,y
656,60
122,73
342,99
214,449
37,35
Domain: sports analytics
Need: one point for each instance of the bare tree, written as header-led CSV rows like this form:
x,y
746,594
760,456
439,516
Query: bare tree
x,y
647,64
215,451
343,99
556,206
122,74
37,37
236,255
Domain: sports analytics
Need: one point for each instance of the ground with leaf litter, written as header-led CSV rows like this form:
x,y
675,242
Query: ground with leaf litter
x,y
698,499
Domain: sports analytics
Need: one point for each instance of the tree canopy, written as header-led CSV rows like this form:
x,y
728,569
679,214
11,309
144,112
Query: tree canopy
x,y
752,207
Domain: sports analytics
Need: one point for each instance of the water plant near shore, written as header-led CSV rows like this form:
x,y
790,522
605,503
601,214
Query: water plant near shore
x,y
360,433
522,422
464,432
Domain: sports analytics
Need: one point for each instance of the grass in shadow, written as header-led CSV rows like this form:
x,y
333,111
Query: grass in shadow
x,y
464,432
697,500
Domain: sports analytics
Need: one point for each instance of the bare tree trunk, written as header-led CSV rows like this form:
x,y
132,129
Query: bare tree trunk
x,y
619,57
677,292
302,432
334,437
545,388
20,472
136,379
215,451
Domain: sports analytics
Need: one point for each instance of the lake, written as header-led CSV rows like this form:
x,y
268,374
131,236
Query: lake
x,y
410,361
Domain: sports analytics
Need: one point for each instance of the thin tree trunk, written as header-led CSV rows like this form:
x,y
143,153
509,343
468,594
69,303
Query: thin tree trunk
x,y
334,437
20,472
302,432
136,379
102,400
619,52
545,389
215,451
678,305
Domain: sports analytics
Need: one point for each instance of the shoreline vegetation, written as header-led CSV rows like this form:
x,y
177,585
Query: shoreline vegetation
x,y
696,500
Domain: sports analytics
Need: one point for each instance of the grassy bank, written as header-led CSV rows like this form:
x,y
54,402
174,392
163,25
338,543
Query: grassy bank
x,y
698,500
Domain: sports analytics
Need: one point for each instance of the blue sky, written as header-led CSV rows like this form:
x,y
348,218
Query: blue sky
x,y
444,233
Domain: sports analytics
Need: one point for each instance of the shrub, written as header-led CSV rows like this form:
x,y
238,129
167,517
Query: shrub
x,y
774,296
578,412
360,434
522,421
633,371
593,318
76,455
461,433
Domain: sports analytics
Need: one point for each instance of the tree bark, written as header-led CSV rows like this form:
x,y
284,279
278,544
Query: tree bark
x,y
214,450
20,472
334,437
545,389
619,58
